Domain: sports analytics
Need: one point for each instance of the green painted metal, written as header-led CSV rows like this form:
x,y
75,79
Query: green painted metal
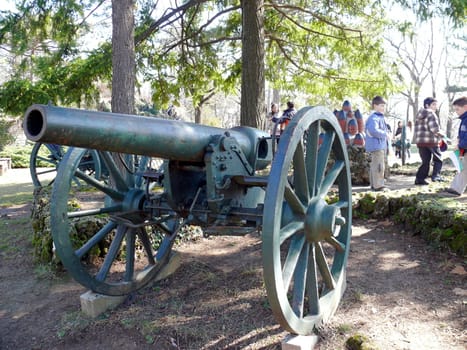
x,y
306,238
121,269
45,158
122,133
215,178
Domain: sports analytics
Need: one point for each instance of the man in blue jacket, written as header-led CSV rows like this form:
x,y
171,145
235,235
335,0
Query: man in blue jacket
x,y
459,184
376,143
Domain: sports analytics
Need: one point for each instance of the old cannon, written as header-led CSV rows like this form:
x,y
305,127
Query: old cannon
x,y
223,180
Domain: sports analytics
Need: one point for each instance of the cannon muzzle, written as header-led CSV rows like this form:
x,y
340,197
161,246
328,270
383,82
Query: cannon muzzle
x,y
133,134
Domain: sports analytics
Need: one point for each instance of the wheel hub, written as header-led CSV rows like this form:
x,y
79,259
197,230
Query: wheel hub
x,y
320,221
134,200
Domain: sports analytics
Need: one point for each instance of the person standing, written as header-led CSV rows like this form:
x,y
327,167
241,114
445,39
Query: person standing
x,y
398,140
287,115
408,137
273,119
377,143
427,136
459,184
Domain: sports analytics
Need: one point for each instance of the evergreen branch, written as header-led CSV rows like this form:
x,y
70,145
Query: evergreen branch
x,y
318,74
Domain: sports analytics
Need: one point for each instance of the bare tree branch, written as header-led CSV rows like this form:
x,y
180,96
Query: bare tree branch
x,y
165,17
320,18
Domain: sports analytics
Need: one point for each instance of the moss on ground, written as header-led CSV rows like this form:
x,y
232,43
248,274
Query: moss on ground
x,y
440,220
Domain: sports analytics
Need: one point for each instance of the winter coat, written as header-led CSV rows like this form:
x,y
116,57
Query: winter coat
x,y
426,128
463,132
376,133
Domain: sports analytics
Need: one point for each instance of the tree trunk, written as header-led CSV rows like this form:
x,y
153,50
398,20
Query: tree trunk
x,y
123,57
252,106
123,70
198,114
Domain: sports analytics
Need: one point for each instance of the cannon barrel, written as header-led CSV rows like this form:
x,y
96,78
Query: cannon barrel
x,y
133,134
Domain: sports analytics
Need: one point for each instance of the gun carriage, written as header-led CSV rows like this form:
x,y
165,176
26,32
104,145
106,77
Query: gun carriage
x,y
223,180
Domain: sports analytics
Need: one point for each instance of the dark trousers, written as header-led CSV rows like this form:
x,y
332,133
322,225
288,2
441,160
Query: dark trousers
x,y
426,153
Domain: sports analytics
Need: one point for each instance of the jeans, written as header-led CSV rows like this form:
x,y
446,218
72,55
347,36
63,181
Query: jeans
x,y
426,153
377,169
459,184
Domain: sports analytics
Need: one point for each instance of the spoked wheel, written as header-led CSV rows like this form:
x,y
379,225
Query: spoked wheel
x,y
43,163
45,158
101,231
307,222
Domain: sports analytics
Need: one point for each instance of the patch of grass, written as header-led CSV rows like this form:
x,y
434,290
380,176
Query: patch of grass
x,y
344,328
72,321
358,296
45,272
249,271
13,231
127,323
9,197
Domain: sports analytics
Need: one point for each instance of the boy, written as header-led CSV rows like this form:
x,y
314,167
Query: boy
x,y
377,143
427,137
459,183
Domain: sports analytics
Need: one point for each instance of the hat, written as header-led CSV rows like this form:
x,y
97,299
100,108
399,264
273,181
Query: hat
x,y
346,104
428,101
378,100
443,146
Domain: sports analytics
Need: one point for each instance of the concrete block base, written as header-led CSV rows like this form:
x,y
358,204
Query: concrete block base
x,y
299,342
94,304
172,266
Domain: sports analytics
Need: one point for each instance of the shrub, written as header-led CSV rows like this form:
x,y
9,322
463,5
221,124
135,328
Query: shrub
x,y
19,155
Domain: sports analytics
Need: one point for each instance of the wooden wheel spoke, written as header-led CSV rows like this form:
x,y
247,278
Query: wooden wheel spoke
x,y
300,174
46,160
300,276
117,195
340,247
292,199
111,254
99,236
312,283
114,172
324,267
311,156
119,270
130,254
331,177
290,264
55,150
290,229
142,165
323,156
143,235
341,204
48,171
95,211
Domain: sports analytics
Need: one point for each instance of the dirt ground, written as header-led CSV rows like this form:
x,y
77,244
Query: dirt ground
x,y
401,294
